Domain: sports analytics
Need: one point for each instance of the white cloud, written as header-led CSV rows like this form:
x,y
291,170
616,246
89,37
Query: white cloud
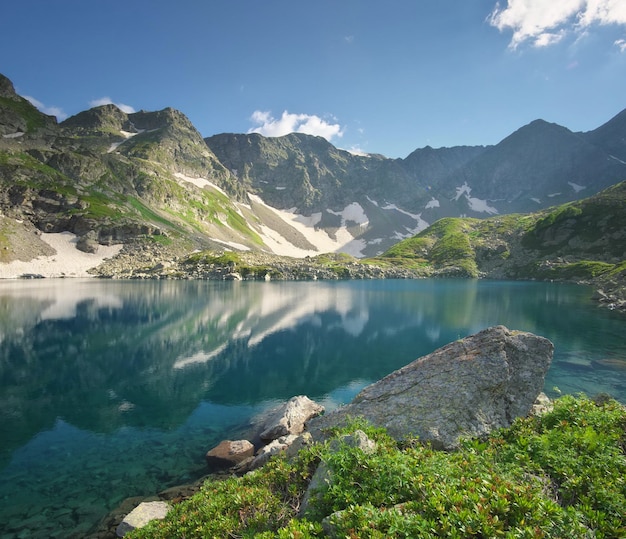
x,y
621,45
356,150
52,111
544,23
108,101
269,126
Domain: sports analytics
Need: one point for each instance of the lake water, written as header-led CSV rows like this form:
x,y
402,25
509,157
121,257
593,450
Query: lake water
x,y
111,389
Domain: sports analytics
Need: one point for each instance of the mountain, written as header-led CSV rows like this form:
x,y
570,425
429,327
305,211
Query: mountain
x,y
541,164
581,241
149,181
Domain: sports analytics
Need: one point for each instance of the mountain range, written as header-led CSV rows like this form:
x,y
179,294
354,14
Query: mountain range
x,y
150,178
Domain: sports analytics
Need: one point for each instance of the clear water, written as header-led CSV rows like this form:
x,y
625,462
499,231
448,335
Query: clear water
x,y
111,389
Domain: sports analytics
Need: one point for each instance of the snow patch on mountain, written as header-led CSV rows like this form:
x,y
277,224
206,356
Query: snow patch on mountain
x,y
127,135
577,188
352,212
432,203
198,182
617,159
310,220
343,241
475,204
233,244
463,190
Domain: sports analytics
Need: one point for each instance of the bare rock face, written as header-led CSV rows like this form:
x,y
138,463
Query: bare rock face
x,y
290,418
229,453
465,389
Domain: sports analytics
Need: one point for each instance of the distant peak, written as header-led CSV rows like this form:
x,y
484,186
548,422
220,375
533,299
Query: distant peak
x,y
96,118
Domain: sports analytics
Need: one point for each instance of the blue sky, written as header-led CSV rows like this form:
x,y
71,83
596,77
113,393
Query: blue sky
x,y
372,76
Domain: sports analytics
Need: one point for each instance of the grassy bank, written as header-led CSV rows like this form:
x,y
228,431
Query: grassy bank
x,y
562,474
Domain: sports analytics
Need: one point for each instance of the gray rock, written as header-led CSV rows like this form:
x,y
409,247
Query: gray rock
x,y
88,243
465,389
141,515
542,404
229,453
299,443
271,449
290,418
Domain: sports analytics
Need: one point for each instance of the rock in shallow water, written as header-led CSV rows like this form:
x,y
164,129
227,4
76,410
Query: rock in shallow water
x,y
465,389
229,453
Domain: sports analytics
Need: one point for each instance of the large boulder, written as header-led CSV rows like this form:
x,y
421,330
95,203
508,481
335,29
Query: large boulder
x,y
289,418
465,389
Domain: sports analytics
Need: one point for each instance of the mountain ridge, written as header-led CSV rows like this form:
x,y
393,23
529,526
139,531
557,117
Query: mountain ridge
x,y
150,178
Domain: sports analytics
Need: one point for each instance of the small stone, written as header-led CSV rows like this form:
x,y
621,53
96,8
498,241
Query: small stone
x,y
141,515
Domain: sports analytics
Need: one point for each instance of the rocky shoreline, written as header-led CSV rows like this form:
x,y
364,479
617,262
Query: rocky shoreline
x,y
143,261
465,389
139,260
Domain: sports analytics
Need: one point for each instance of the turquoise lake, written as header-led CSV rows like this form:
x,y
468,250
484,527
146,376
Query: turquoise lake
x,y
112,389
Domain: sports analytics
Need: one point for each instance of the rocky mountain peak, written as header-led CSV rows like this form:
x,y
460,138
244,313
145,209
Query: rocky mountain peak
x,y
104,118
18,115
160,119
6,88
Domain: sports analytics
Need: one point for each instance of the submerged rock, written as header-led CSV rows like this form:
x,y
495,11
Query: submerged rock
x,y
465,389
229,453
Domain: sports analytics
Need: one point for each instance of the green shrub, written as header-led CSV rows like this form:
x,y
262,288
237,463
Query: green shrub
x,y
559,475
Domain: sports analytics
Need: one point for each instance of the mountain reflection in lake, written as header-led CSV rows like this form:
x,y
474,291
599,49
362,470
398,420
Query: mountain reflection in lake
x,y
112,389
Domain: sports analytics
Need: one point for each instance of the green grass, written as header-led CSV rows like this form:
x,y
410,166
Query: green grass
x,y
228,258
559,475
34,119
48,177
445,246
583,270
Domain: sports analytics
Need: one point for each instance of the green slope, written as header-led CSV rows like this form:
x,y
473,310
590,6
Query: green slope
x,y
583,241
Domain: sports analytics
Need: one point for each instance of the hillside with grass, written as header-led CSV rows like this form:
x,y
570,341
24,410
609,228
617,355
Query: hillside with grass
x,y
582,241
